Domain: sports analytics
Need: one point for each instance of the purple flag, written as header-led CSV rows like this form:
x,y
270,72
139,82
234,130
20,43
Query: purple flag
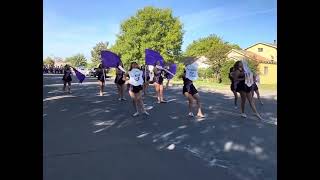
x,y
109,59
173,70
79,75
152,57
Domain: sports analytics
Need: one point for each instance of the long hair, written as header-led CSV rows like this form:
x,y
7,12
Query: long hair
x,y
132,63
66,67
236,65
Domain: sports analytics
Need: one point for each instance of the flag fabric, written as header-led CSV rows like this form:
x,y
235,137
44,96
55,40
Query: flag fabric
x,y
173,70
109,59
248,73
79,75
135,77
152,57
192,72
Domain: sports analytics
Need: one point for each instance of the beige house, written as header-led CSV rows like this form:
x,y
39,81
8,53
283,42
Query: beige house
x,y
265,54
266,50
201,61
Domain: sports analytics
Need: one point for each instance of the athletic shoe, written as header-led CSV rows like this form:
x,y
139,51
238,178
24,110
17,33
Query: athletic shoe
x,y
190,114
135,114
123,99
119,99
258,116
243,115
146,113
201,116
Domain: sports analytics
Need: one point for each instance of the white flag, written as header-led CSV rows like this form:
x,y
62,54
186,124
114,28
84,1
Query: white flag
x,y
192,72
135,77
248,74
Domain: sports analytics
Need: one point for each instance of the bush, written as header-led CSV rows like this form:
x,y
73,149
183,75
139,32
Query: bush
x,y
112,72
225,69
180,68
205,73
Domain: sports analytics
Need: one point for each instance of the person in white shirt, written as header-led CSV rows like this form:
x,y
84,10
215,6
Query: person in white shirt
x,y
135,88
190,92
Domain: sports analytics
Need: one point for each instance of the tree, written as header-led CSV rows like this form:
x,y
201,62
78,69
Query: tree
x,y
77,60
201,46
96,53
152,28
91,65
214,48
48,61
217,56
225,69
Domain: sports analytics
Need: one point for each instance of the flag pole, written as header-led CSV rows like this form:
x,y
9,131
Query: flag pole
x,y
145,73
104,76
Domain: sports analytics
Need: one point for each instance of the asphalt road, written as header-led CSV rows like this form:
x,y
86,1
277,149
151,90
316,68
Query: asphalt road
x,y
88,137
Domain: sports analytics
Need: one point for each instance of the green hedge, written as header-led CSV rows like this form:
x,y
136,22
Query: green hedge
x,y
205,73
180,68
225,69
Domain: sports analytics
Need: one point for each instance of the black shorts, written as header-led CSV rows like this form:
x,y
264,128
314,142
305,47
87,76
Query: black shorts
x,y
101,78
68,79
135,89
190,89
158,80
255,87
242,87
119,80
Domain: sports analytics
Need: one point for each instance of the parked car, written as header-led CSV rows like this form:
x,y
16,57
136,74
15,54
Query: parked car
x,y
93,72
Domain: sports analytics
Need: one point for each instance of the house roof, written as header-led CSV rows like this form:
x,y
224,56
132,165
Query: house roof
x,y
200,59
267,44
252,56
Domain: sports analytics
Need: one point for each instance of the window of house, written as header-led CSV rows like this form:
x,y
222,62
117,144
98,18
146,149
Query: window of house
x,y
265,70
260,49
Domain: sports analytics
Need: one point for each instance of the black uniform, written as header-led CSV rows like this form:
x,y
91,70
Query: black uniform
x,y
119,77
67,76
188,86
100,74
241,86
158,76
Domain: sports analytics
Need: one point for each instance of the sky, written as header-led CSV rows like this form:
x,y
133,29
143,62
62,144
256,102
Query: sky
x,y
75,26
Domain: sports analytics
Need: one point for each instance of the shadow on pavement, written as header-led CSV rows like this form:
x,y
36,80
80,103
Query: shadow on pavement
x,y
93,137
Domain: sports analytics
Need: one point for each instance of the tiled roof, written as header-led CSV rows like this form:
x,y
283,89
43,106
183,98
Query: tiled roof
x,y
253,56
267,44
